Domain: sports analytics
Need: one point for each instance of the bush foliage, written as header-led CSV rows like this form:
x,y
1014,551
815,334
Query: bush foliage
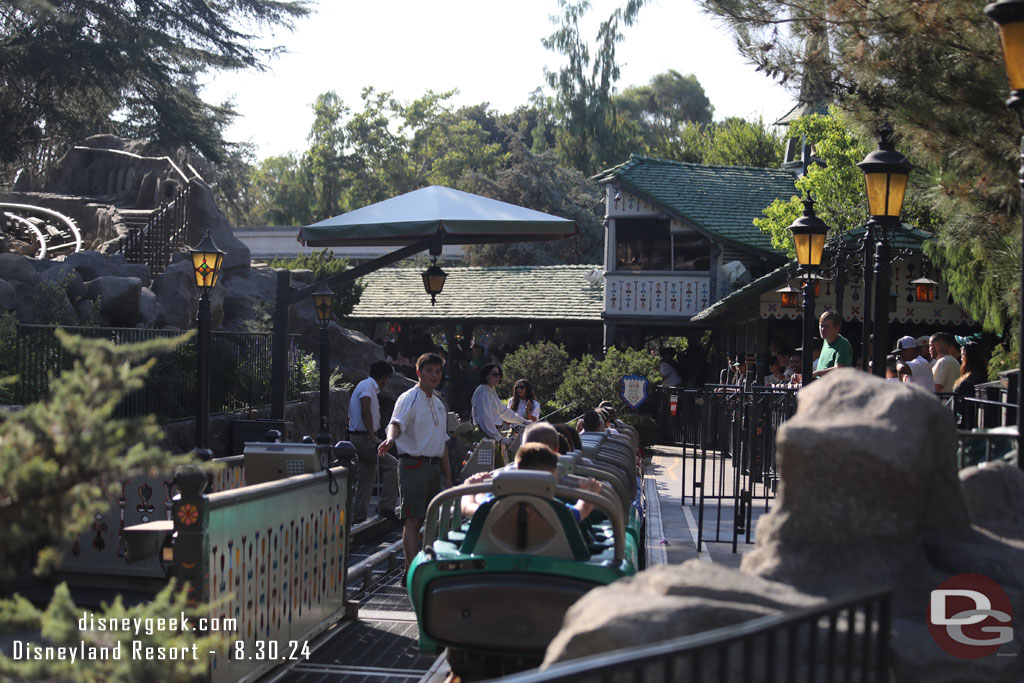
x,y
543,365
588,382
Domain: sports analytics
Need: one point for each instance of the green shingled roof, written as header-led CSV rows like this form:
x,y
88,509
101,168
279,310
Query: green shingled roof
x,y
723,200
907,237
510,293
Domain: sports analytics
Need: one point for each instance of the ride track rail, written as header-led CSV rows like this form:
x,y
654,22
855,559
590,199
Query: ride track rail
x,y
53,233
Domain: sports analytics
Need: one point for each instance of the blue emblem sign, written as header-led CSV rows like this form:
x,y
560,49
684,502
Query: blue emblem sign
x,y
634,390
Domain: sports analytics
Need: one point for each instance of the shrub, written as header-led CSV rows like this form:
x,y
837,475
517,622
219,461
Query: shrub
x,y
543,365
588,382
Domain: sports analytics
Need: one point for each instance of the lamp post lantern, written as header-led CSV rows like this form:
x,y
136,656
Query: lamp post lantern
x,y
886,172
323,297
206,262
809,233
433,281
1009,16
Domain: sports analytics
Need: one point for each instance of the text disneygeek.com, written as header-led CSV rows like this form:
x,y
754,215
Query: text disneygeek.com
x,y
22,650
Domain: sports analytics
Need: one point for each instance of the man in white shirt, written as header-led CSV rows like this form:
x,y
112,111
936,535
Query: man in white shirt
x,y
945,367
418,429
363,425
921,372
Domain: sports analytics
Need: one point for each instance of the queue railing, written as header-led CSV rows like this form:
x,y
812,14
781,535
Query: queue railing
x,y
844,640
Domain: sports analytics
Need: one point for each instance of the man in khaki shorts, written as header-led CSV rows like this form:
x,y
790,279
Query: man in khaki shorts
x,y
363,425
418,428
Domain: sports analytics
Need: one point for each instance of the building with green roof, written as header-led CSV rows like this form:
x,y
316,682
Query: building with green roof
x,y
679,237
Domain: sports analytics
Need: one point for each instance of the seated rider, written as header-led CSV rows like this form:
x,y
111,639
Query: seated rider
x,y
488,410
532,456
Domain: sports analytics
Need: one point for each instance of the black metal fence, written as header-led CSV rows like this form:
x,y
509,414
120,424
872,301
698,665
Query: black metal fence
x,y
845,640
239,370
728,436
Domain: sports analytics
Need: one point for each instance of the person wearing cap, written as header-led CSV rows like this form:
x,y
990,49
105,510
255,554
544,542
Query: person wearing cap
x,y
945,368
924,348
921,371
836,350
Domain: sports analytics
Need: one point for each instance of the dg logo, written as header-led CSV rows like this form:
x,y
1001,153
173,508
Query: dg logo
x,y
970,616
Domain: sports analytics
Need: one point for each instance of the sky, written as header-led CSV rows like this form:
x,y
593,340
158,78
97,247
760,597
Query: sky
x,y
489,51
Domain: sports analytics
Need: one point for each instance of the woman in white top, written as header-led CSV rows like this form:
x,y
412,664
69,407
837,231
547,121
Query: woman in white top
x,y
523,402
488,410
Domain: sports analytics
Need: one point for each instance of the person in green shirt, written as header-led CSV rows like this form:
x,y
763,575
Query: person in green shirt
x,y
836,350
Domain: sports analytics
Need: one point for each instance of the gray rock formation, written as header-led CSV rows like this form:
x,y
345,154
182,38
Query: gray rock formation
x,y
668,602
116,297
14,267
869,497
175,289
150,310
204,215
8,296
994,494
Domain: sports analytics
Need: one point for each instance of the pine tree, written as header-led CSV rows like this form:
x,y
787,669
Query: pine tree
x,y
933,70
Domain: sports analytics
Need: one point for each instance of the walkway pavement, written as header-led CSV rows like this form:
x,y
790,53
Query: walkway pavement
x,y
672,526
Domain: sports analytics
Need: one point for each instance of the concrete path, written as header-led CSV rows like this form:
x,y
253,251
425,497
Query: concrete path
x,y
672,526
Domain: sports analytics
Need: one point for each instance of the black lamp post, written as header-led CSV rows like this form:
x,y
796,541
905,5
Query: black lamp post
x,y
206,262
1009,15
433,281
809,233
323,297
885,176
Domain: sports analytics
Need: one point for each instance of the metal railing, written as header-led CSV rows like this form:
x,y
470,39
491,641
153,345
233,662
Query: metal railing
x,y
240,370
844,640
163,236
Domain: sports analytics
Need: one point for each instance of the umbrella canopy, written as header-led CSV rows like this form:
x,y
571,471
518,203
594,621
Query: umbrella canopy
x,y
458,217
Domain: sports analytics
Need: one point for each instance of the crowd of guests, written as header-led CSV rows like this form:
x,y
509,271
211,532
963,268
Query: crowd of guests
x,y
941,363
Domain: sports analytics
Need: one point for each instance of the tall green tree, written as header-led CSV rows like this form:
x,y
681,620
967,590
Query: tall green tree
x,y
934,72
732,142
589,135
836,183
538,182
72,68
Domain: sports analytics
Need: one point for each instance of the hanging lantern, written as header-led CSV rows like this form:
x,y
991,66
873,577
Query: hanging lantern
x,y
924,289
790,296
433,281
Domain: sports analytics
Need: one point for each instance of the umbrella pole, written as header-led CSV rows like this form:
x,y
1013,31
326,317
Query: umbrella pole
x,y
284,298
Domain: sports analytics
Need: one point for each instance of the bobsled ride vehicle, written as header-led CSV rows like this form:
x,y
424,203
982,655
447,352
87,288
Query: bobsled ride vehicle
x,y
493,589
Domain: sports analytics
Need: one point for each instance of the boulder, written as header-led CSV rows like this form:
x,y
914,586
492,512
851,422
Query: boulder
x,y
665,602
175,289
8,296
14,267
66,277
204,215
867,468
42,305
93,264
117,298
994,494
150,310
869,497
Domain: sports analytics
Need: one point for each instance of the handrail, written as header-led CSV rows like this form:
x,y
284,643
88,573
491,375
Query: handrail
x,y
271,488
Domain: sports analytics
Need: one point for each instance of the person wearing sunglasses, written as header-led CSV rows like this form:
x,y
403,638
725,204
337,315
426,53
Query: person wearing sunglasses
x,y
488,410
